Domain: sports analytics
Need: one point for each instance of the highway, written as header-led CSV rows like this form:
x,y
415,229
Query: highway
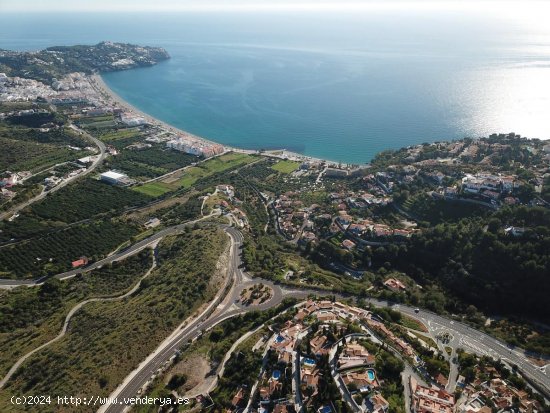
x,y
102,154
222,308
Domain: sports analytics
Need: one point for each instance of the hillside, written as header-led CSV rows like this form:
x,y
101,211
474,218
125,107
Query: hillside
x,y
55,62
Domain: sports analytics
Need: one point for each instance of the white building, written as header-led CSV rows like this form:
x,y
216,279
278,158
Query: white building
x,y
194,146
131,120
114,178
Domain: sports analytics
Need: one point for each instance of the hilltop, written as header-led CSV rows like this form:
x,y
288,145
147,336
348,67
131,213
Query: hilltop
x,y
57,61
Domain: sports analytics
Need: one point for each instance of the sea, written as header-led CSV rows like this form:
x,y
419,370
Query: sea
x,y
335,85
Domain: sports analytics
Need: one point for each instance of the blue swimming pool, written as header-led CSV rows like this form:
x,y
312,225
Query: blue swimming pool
x,y
276,374
309,361
279,339
370,375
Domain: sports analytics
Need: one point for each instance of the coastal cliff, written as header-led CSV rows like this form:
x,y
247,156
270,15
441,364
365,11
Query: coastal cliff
x,y
55,62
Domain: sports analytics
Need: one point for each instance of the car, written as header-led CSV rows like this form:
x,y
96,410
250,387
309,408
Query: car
x,y
417,310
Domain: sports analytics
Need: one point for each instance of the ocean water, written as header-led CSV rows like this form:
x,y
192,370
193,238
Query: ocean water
x,y
332,85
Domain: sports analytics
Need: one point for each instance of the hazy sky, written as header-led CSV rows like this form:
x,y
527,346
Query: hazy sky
x,y
238,5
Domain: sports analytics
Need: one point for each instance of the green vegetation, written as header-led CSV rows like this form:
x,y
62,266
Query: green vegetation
x,y
32,316
286,166
25,149
118,134
24,228
479,263
425,208
181,212
151,162
213,347
200,175
54,252
153,189
97,122
212,166
85,199
107,340
242,368
55,62
412,323
31,156
520,333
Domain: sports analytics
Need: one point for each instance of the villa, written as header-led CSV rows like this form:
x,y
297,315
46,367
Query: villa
x,y
395,285
430,399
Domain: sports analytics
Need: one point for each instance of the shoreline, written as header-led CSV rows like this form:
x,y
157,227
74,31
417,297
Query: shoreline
x,y
102,88
99,84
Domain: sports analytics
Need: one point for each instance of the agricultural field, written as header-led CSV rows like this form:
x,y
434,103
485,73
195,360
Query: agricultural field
x,y
208,168
54,252
188,177
27,227
97,122
25,149
151,162
286,166
120,134
34,120
153,189
32,316
85,199
106,341
31,156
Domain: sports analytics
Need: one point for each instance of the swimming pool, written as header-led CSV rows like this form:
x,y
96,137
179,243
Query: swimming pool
x,y
276,374
371,375
279,339
309,362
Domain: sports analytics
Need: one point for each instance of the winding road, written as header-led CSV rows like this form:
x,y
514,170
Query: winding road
x,y
226,305
68,318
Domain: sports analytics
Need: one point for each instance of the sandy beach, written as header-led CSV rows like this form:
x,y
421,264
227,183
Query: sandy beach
x,y
101,87
98,83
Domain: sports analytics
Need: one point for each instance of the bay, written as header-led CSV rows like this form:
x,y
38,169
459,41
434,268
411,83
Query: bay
x,y
331,85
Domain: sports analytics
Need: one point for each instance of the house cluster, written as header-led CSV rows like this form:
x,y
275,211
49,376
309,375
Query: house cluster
x,y
194,146
8,181
374,195
402,346
19,89
294,219
366,229
234,212
352,365
489,185
503,396
75,89
54,180
430,399
13,178
304,367
480,150
480,394
342,171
